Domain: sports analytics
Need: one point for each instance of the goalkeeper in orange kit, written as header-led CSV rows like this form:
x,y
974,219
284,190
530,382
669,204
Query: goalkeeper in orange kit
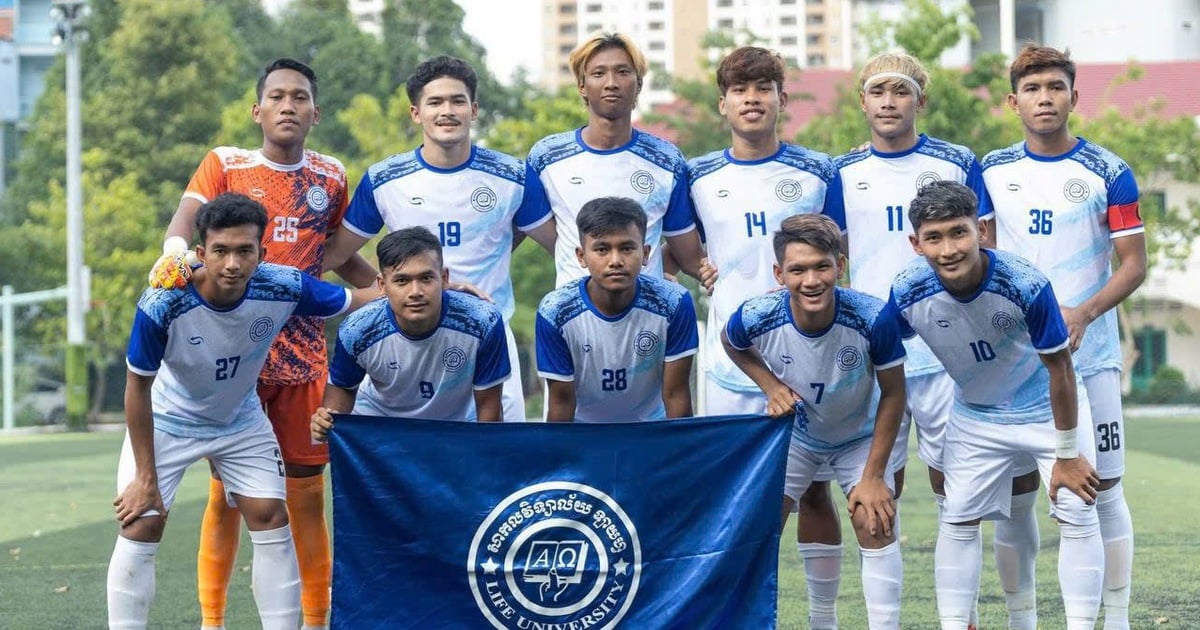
x,y
305,194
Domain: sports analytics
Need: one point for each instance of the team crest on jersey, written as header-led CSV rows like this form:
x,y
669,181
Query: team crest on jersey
x,y
849,358
926,178
1076,190
1003,321
454,358
261,328
788,190
317,198
556,554
483,199
642,181
646,343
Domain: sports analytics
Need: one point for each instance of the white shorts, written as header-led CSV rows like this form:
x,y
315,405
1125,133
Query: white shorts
x,y
1104,397
930,397
845,465
719,401
512,393
248,461
980,458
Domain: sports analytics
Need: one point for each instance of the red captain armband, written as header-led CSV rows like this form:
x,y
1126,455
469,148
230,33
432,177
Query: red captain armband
x,y
1124,217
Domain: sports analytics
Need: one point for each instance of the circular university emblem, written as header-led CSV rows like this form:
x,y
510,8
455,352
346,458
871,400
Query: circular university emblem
x,y
1076,190
317,198
646,343
642,181
454,358
849,358
788,190
1003,321
483,199
555,555
261,328
926,178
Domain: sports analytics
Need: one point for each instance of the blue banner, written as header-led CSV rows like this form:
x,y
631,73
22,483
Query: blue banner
x,y
535,526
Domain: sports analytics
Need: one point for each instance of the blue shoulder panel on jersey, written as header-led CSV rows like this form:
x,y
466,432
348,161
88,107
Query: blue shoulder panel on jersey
x,y
1003,156
704,165
764,313
857,310
914,283
1100,161
658,151
366,327
163,306
953,153
563,304
1015,278
468,314
499,164
274,283
657,296
394,167
853,157
551,149
814,162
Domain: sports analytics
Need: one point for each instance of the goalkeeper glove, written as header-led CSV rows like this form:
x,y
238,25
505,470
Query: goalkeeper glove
x,y
174,268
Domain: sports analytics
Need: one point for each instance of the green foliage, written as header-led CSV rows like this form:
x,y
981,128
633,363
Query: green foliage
x,y
1168,386
378,133
925,30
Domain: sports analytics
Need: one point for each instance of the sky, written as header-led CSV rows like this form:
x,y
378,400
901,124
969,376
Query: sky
x,y
510,30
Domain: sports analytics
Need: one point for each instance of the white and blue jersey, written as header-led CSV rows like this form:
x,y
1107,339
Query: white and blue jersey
x,y
433,376
564,173
1062,213
739,206
991,343
615,362
832,370
879,187
206,359
473,209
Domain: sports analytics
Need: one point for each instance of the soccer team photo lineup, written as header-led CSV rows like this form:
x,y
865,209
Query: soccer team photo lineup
x,y
727,334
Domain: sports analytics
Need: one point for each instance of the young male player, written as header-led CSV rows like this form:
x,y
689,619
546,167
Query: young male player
x,y
423,352
993,321
473,198
740,195
616,345
818,351
305,196
609,157
194,356
1066,205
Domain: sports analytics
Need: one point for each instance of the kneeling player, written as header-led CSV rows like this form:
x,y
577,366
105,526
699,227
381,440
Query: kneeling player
x,y
819,350
616,345
424,352
193,359
993,321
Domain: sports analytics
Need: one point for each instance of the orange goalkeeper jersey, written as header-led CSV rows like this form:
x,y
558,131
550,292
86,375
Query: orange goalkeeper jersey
x,y
305,202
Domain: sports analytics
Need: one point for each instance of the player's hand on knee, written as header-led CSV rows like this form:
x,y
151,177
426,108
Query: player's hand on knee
x,y
469,289
139,497
322,424
173,270
1076,475
875,498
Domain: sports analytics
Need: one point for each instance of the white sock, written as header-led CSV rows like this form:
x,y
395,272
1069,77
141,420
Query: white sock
x,y
1080,573
1116,530
130,583
275,578
957,561
823,572
1016,545
882,581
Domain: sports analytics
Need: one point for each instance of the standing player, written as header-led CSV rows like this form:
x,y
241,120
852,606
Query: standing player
x,y
193,359
423,352
1066,205
616,345
609,157
305,194
740,194
818,350
473,198
992,320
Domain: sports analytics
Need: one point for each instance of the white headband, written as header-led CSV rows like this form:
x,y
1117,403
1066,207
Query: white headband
x,y
874,78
